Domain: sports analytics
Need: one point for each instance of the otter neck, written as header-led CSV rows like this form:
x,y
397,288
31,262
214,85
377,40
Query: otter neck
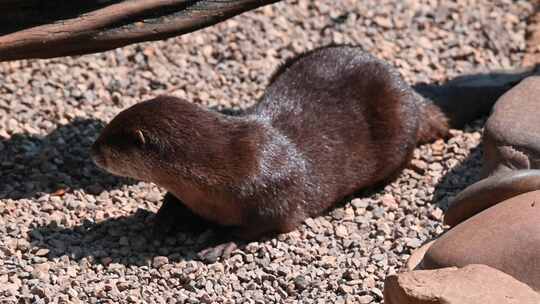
x,y
222,152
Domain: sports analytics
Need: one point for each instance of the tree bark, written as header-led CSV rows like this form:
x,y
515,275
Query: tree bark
x,y
45,29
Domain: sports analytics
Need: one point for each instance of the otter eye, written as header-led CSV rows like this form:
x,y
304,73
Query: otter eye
x,y
140,137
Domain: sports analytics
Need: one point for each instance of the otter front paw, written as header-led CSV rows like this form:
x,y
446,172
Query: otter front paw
x,y
174,216
231,238
221,251
164,220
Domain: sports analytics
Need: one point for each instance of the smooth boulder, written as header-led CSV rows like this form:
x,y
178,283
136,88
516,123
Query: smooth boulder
x,y
512,132
490,191
473,284
417,255
505,236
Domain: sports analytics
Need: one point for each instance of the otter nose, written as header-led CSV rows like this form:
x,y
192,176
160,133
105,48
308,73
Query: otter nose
x,y
97,156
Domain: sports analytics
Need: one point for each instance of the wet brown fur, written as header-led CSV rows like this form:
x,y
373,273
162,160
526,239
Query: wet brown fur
x,y
333,121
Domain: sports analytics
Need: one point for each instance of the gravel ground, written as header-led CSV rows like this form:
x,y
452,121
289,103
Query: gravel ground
x,y
532,55
70,233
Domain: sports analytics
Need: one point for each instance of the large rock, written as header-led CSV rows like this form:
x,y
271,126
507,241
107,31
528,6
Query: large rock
x,y
490,191
417,256
512,132
473,284
505,236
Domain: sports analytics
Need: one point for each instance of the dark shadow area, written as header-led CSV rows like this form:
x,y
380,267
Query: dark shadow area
x,y
19,15
60,161
458,178
126,240
129,240
468,97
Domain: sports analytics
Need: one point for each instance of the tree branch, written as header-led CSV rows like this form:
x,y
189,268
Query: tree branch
x,y
95,26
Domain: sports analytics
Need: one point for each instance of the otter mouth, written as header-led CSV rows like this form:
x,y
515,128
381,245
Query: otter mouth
x,y
103,158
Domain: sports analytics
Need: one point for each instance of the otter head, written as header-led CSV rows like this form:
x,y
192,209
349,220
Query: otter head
x,y
121,150
151,139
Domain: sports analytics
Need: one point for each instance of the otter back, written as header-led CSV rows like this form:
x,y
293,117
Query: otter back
x,y
349,114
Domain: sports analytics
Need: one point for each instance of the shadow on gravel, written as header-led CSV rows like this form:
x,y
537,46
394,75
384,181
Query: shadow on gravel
x,y
59,161
126,240
458,178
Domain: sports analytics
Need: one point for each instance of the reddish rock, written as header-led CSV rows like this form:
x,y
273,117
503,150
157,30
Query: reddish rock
x,y
505,236
417,256
490,191
473,284
512,132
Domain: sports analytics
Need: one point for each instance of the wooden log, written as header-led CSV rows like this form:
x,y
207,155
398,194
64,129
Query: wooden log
x,y
46,29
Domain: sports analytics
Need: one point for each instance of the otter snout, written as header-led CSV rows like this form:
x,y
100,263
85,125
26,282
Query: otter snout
x,y
97,155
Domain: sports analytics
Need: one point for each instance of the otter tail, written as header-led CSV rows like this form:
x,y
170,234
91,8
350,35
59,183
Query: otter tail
x,y
461,101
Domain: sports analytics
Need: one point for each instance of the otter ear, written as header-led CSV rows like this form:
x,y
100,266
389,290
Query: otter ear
x,y
140,137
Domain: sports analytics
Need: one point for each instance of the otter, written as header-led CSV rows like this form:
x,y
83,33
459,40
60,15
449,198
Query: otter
x,y
332,121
